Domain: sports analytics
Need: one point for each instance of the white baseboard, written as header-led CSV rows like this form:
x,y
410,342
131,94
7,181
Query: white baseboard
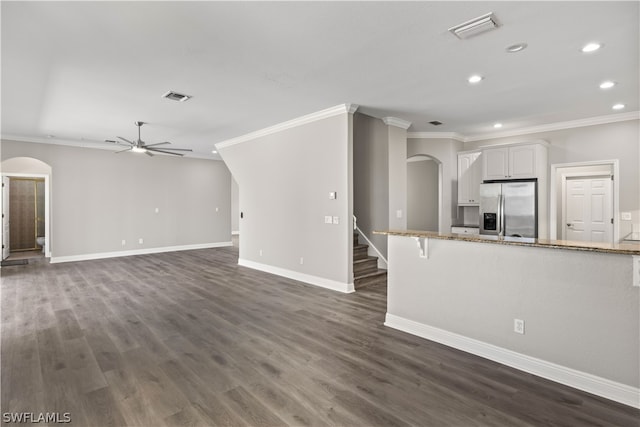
x,y
145,251
573,378
301,277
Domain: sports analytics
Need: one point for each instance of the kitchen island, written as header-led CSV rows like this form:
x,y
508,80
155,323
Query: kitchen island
x,y
578,304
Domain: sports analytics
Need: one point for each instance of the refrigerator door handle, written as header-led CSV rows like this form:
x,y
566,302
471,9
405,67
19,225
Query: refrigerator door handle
x,y
500,216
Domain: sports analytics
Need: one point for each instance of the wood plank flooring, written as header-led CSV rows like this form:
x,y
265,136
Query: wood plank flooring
x,y
192,339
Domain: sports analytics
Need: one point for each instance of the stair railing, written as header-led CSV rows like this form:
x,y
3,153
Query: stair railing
x,y
371,245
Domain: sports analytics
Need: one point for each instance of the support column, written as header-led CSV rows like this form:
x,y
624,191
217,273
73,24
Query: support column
x,y
397,131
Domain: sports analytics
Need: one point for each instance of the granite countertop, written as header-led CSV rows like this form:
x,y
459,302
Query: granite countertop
x,y
626,248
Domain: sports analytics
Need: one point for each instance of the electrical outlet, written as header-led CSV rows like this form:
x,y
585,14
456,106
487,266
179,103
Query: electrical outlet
x,y
518,326
260,252
301,260
140,240
399,213
124,242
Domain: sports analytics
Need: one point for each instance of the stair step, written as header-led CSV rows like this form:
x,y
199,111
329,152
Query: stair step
x,y
376,277
365,266
360,252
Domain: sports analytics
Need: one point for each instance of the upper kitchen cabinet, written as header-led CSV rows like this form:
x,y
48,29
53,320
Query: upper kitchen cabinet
x,y
518,161
469,178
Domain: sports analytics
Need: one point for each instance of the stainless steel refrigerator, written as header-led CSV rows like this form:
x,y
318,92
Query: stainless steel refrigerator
x,y
509,208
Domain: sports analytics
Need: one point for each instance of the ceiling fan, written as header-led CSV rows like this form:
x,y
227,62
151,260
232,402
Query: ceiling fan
x,y
140,147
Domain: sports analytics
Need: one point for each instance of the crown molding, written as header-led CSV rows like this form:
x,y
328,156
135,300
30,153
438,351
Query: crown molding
x,y
93,145
319,115
394,121
591,121
437,135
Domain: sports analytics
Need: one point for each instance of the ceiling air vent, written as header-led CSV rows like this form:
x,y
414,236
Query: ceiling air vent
x,y
475,26
435,123
175,96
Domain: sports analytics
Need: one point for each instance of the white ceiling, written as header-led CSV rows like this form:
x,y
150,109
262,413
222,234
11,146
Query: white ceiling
x,y
85,71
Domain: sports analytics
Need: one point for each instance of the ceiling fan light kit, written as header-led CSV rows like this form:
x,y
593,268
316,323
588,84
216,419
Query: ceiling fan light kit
x,y
140,147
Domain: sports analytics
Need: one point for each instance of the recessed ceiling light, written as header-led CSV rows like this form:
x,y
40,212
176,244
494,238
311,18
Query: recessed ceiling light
x,y
516,47
607,84
591,47
475,78
618,106
497,125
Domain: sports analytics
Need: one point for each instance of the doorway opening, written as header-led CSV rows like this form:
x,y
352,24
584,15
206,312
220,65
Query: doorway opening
x,y
25,209
584,201
424,193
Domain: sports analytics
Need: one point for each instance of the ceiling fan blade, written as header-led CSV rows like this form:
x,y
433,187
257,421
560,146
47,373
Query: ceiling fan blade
x,y
126,140
159,143
177,149
157,150
148,153
122,151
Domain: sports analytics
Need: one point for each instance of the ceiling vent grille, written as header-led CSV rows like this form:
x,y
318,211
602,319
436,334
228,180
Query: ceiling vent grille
x,y
435,123
475,26
175,96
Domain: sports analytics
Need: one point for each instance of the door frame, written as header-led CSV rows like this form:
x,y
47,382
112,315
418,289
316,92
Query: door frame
x,y
586,175
555,183
47,201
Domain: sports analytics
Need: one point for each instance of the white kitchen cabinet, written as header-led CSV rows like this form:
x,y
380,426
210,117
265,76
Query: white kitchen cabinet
x,y
514,162
469,178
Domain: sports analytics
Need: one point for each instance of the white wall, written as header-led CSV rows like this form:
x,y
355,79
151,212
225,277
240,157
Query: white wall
x,y
371,178
397,178
285,177
235,206
99,198
580,309
446,151
619,140
422,194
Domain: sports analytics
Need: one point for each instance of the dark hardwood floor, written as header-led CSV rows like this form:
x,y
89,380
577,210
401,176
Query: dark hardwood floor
x,y
190,338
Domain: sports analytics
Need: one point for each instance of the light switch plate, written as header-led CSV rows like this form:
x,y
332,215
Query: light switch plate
x,y
625,216
336,220
333,195
328,219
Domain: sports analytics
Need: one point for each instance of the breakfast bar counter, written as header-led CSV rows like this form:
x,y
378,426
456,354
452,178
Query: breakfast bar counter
x,y
624,248
566,311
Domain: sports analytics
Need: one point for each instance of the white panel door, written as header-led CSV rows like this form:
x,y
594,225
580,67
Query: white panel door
x,y
589,210
5,217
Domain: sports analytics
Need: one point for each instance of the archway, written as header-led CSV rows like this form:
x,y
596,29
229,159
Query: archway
x,y
26,168
424,193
